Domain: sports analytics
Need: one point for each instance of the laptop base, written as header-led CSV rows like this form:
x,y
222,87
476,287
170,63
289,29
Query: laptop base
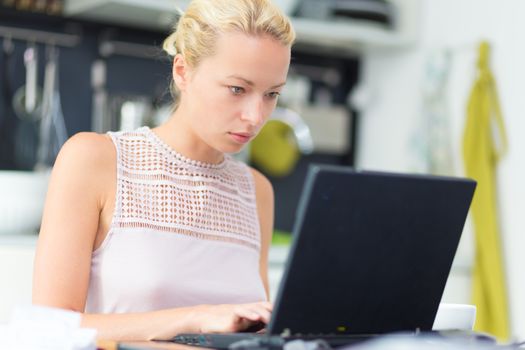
x,y
246,340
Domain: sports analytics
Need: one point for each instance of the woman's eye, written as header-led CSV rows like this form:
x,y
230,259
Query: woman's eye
x,y
274,94
236,90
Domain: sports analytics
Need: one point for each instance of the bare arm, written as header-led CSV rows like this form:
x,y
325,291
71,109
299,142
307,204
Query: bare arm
x,y
164,324
82,181
265,208
70,222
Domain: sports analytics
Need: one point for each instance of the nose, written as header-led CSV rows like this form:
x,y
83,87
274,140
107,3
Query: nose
x,y
254,112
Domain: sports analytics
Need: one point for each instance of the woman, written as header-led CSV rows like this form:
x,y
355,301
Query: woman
x,y
160,231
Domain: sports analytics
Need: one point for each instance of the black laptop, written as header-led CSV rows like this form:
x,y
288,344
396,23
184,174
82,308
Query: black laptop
x,y
371,254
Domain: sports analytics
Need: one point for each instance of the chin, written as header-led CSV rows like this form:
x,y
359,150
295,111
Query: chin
x,y
228,146
232,149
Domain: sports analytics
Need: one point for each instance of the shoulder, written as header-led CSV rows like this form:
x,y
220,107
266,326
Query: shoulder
x,y
88,143
87,157
263,186
87,149
261,182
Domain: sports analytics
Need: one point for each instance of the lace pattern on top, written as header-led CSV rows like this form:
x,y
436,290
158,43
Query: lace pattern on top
x,y
160,189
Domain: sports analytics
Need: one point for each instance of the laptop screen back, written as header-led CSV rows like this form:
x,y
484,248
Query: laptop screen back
x,y
371,252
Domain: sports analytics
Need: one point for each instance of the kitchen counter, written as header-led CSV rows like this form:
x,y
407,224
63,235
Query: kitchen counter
x,y
17,254
21,239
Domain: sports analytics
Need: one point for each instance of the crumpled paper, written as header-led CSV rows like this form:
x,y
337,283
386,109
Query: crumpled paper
x,y
46,328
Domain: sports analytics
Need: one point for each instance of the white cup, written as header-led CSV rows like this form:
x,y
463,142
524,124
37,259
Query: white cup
x,y
455,317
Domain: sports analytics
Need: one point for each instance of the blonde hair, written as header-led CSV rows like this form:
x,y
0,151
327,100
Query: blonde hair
x,y
204,21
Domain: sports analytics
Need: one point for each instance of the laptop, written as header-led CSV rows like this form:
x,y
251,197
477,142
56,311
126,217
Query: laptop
x,y
371,253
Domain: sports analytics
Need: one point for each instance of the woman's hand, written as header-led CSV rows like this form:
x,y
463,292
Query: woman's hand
x,y
232,318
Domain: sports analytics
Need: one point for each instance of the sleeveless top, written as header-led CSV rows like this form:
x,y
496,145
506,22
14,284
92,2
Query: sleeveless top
x,y
183,232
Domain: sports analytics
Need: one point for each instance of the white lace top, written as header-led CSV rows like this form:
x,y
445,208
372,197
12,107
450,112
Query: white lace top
x,y
183,232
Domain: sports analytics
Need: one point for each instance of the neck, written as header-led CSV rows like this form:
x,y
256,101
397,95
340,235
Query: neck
x,y
178,134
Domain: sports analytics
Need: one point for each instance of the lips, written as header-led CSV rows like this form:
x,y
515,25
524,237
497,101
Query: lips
x,y
241,137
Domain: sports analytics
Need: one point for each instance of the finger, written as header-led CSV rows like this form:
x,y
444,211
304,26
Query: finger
x,y
244,323
264,309
255,313
261,331
247,313
267,305
264,313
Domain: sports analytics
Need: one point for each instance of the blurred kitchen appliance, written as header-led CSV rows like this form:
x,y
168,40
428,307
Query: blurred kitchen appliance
x,y
27,104
373,11
124,111
53,133
280,143
129,112
300,129
22,109
99,120
8,121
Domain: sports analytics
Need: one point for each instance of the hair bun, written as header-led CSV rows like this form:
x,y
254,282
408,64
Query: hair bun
x,y
169,44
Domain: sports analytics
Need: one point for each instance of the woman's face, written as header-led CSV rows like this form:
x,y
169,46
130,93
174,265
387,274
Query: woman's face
x,y
230,95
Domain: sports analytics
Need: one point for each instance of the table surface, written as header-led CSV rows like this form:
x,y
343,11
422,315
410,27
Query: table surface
x,y
146,345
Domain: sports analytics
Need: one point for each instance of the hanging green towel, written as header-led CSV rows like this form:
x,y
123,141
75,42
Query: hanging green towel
x,y
484,143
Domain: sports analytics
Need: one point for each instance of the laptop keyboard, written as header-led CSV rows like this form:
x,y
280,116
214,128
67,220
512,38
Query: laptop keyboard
x,y
245,340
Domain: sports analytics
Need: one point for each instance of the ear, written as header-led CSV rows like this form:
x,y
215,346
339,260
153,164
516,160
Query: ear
x,y
180,72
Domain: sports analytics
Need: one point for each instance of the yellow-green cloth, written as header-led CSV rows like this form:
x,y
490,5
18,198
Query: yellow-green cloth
x,y
484,143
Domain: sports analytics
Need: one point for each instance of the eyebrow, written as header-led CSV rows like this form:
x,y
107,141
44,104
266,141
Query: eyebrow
x,y
251,83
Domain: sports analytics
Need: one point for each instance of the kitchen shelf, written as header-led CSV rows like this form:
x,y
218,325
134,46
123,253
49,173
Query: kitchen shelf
x,y
356,35
346,35
157,15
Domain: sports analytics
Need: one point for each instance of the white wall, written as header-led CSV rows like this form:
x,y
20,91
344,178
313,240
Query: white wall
x,y
393,82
